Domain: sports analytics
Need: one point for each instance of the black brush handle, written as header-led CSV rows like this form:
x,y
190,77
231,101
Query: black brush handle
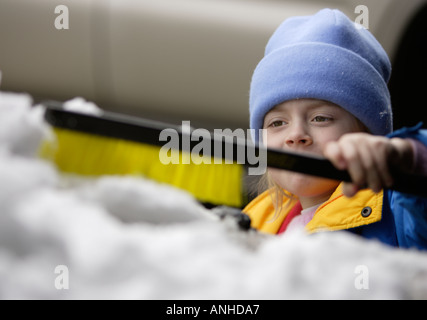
x,y
402,182
147,131
307,164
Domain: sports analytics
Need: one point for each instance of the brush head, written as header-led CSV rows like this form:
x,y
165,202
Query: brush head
x,y
110,144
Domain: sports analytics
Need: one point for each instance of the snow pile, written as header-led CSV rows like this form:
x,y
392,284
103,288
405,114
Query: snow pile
x,y
129,238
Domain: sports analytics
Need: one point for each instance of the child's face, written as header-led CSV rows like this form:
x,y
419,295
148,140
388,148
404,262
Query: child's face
x,y
306,125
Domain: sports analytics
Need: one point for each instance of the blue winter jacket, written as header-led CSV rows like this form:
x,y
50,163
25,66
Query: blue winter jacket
x,y
404,217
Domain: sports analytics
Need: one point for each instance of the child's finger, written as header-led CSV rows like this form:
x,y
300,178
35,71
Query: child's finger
x,y
344,156
371,161
354,162
381,154
333,153
366,159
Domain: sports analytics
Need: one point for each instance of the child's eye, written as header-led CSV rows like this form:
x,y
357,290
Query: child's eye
x,y
277,123
321,119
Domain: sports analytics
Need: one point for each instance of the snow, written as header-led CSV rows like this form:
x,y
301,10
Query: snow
x,y
79,104
129,238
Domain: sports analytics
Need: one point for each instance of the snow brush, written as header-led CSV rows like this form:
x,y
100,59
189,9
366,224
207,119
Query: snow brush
x,y
113,144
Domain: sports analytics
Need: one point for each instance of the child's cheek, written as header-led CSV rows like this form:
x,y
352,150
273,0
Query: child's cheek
x,y
271,140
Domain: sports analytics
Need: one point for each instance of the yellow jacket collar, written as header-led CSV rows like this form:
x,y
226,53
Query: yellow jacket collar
x,y
337,213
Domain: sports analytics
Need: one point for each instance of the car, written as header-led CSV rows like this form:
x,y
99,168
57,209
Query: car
x,y
175,60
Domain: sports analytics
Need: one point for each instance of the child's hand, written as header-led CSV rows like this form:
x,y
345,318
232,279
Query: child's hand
x,y
368,159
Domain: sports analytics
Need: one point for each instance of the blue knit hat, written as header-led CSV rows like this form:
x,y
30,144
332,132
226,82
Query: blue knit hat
x,y
326,57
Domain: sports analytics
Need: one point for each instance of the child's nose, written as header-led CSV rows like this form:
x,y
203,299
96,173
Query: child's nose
x,y
298,136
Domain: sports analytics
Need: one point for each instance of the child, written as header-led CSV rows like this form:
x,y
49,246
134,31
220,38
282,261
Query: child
x,y
321,88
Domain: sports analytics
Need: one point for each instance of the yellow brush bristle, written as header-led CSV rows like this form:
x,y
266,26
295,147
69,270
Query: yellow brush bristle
x,y
93,155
